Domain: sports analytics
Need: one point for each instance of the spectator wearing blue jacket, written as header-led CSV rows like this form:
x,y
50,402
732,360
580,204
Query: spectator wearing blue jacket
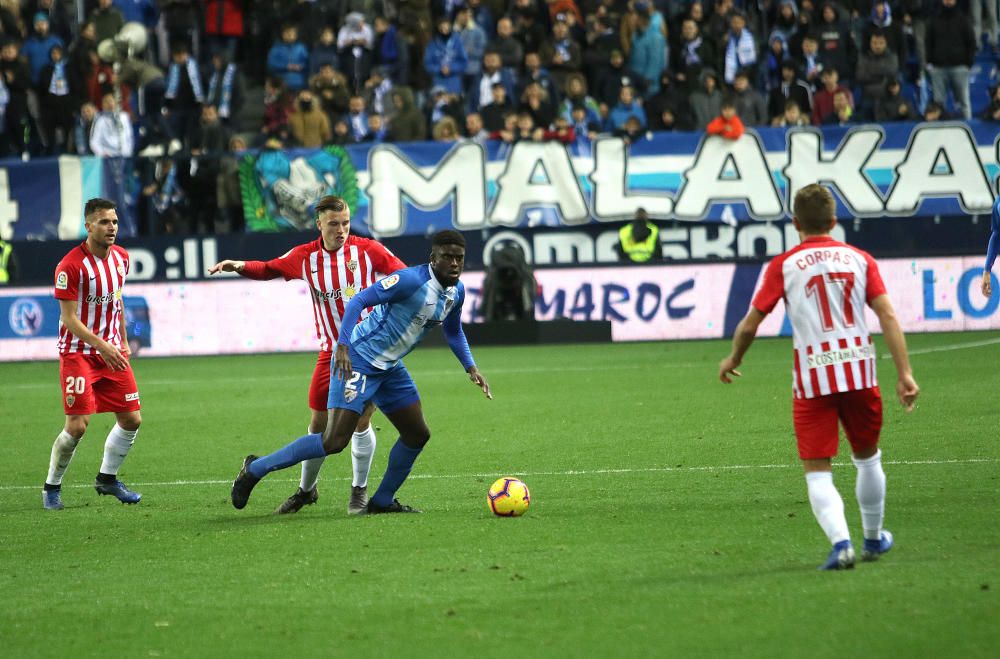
x,y
445,59
648,56
627,107
36,47
289,59
473,40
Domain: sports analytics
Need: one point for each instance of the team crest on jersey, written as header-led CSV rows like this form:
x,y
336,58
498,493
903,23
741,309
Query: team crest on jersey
x,y
350,395
70,399
352,265
389,281
121,270
62,281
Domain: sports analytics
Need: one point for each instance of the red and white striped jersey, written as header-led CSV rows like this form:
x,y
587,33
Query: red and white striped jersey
x,y
826,285
333,277
96,285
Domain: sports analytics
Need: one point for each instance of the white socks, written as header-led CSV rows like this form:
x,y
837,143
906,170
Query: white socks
x,y
827,505
870,490
116,448
362,454
62,453
310,473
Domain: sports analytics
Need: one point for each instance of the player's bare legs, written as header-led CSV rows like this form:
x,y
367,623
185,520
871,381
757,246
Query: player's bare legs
x,y
413,436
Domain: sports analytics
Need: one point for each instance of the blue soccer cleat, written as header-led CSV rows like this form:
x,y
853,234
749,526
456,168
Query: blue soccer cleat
x,y
841,557
52,499
119,491
875,548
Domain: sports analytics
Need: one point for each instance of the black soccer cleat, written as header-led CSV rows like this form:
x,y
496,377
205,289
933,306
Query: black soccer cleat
x,y
394,507
298,501
244,484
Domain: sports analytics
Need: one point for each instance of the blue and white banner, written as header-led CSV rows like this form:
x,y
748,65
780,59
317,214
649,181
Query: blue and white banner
x,y
43,199
892,170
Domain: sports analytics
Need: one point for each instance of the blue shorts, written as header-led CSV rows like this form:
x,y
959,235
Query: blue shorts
x,y
390,390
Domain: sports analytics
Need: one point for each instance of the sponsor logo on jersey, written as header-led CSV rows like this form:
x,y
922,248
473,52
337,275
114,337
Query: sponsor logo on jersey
x,y
389,281
70,399
336,294
132,396
101,299
840,356
352,265
62,281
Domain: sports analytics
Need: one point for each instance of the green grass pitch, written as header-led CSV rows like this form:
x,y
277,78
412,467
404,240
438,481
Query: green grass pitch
x,y
669,516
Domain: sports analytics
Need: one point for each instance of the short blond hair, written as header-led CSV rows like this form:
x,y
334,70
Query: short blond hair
x,y
814,208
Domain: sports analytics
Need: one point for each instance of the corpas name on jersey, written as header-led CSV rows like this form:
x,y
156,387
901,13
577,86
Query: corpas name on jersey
x,y
840,356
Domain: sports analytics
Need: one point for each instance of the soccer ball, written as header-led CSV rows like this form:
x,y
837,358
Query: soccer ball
x,y
508,497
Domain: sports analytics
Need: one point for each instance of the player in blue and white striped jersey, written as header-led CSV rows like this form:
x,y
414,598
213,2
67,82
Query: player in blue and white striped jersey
x,y
367,367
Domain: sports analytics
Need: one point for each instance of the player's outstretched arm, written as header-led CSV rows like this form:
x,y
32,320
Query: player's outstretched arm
x,y
906,386
743,337
110,354
227,266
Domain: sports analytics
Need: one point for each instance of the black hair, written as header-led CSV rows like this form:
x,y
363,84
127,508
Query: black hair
x,y
98,204
448,237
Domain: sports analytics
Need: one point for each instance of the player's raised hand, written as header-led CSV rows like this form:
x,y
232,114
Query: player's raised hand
x,y
907,390
227,266
479,380
987,287
113,357
727,367
342,363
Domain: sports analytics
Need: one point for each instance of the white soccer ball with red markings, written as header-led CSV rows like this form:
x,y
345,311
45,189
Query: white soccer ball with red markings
x,y
508,497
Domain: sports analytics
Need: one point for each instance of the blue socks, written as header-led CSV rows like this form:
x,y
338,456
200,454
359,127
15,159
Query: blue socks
x,y
401,459
303,448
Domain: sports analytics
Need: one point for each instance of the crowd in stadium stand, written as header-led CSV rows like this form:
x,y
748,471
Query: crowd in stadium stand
x,y
220,76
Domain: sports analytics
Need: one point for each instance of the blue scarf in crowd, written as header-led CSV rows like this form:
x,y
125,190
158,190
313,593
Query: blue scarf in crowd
x,y
58,86
226,99
174,80
691,56
4,100
741,51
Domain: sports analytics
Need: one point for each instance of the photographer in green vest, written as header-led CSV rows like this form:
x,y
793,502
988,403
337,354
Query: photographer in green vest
x,y
7,263
638,241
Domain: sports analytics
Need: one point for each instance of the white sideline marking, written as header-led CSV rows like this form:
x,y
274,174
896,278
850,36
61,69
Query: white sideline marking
x,y
950,347
571,472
